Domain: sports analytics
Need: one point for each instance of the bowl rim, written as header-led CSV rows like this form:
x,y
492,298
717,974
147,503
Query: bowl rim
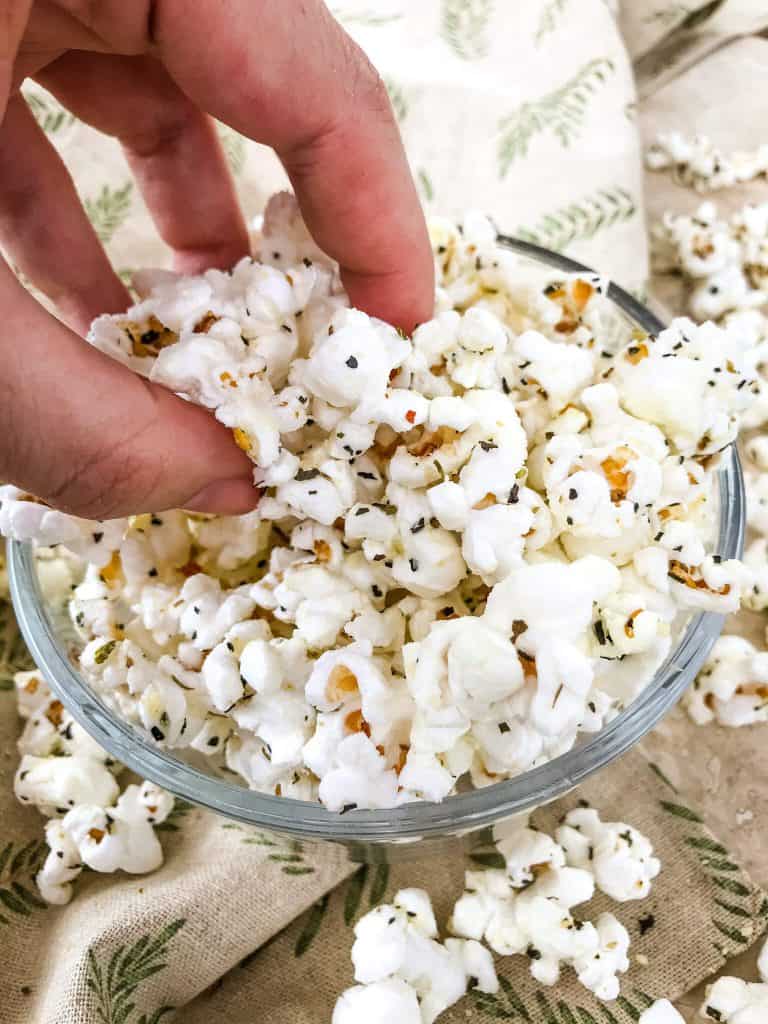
x,y
456,815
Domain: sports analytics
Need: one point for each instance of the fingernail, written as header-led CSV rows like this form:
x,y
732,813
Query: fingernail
x,y
225,497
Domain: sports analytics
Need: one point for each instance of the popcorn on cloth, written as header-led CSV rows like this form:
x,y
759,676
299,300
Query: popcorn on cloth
x,y
71,780
527,907
661,1012
472,545
398,957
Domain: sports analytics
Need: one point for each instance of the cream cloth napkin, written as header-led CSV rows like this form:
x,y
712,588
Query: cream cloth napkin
x,y
528,111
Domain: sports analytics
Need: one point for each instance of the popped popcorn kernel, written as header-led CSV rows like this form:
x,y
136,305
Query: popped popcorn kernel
x,y
472,545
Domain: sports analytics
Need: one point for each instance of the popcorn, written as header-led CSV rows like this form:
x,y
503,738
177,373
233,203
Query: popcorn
x,y
597,971
70,779
733,1001
724,261
527,907
378,1003
698,163
55,784
396,946
732,687
661,1012
119,837
471,546
619,856
25,518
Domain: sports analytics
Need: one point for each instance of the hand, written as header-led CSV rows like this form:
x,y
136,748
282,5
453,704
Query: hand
x,y
76,429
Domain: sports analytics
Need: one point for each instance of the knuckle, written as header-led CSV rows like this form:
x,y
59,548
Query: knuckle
x,y
367,85
164,126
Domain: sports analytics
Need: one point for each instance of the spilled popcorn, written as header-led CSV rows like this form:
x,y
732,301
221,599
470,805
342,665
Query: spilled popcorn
x,y
733,1001
698,163
732,687
472,545
405,972
725,264
661,1012
71,780
524,909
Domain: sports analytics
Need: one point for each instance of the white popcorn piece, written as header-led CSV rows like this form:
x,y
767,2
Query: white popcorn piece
x,y
733,1001
24,519
598,971
398,942
762,963
378,1003
661,1012
697,162
620,857
55,784
732,687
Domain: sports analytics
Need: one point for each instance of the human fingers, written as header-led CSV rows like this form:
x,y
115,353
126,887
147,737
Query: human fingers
x,y
83,433
44,229
312,95
171,146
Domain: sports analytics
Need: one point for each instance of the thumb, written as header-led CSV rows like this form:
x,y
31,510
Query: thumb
x,y
92,438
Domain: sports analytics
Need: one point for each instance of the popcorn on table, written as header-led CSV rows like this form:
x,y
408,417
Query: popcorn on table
x,y
698,163
472,545
732,687
70,779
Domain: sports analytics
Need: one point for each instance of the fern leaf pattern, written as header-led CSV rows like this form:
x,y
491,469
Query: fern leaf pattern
x,y
509,1004
14,656
373,878
366,18
549,18
19,863
234,146
397,98
735,916
49,114
581,219
109,209
465,27
114,984
180,810
289,853
425,183
561,112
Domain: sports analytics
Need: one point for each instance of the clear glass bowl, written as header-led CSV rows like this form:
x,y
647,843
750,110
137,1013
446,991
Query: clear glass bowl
x,y
418,828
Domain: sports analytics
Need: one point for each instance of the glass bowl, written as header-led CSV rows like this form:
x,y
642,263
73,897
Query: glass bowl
x,y
418,828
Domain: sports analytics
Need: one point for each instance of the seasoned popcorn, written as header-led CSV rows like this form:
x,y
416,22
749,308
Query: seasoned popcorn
x,y
732,688
401,965
661,1012
619,856
698,163
472,545
71,780
526,907
733,1001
